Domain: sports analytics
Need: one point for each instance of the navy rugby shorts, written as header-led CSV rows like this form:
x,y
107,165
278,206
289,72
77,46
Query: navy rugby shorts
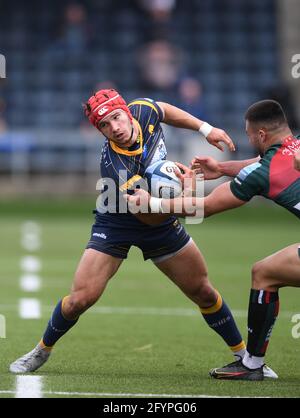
x,y
155,242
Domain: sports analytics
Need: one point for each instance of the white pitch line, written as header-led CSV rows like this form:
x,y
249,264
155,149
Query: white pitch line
x,y
30,239
29,308
30,264
2,326
144,348
127,395
30,282
29,387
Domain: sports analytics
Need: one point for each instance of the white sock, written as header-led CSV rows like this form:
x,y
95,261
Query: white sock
x,y
239,355
253,362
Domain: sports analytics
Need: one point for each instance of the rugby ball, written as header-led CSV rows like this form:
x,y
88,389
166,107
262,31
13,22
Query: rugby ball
x,y
162,180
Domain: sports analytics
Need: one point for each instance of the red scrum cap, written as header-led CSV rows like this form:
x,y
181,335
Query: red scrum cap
x,y
102,103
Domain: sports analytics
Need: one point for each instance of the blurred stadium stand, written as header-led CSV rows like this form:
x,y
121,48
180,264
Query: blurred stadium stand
x,y
57,56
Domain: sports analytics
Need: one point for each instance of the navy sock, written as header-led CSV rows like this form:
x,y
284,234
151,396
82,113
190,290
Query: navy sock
x,y
57,326
220,319
262,314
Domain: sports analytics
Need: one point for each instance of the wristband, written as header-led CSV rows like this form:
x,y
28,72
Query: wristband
x,y
205,129
155,205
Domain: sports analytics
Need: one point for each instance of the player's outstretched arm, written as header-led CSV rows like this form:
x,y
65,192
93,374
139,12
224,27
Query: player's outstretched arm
x,y
219,200
180,119
213,169
297,161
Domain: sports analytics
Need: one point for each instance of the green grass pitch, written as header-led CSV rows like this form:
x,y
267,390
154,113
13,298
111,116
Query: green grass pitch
x,y
143,336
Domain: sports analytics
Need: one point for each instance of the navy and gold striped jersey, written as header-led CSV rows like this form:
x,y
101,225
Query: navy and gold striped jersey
x,y
126,167
273,177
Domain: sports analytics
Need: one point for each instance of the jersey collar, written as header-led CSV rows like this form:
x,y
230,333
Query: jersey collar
x,y
124,151
283,142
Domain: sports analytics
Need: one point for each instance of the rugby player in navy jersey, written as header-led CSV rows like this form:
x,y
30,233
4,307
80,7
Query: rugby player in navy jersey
x,y
274,176
134,140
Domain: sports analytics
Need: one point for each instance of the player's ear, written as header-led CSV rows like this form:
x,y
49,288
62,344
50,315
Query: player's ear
x,y
262,134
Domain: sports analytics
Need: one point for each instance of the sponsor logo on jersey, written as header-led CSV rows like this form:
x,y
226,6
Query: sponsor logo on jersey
x,y
151,129
95,234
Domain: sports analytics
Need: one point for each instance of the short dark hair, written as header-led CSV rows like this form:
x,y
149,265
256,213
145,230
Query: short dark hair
x,y
268,112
